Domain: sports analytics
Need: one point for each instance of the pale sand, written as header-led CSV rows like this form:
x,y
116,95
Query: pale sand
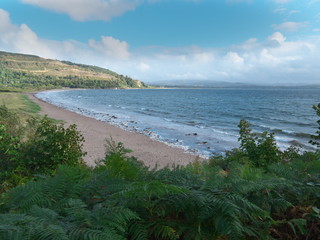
x,y
95,132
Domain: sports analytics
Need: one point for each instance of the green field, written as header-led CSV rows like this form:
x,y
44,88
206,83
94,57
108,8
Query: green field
x,y
19,102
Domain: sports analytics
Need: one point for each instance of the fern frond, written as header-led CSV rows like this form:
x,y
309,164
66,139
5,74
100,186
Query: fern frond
x,y
21,226
138,231
163,231
178,176
48,191
49,232
89,234
22,198
116,218
147,190
46,214
76,212
120,218
101,186
229,212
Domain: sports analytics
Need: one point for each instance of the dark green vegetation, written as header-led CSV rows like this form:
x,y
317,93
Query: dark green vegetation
x,y
254,192
34,146
23,72
316,138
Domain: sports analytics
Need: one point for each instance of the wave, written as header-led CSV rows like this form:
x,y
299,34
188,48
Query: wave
x,y
148,110
285,132
295,123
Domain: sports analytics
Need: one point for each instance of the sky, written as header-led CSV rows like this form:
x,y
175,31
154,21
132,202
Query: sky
x,y
267,42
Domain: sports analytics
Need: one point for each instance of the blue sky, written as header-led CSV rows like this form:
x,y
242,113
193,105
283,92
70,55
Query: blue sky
x,y
252,41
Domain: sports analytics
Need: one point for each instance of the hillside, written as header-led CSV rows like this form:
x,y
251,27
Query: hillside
x,y
28,71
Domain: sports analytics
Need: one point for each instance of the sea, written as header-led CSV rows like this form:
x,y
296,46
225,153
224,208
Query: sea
x,y
200,121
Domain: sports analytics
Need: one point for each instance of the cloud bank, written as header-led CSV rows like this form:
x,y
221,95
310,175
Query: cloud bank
x,y
273,60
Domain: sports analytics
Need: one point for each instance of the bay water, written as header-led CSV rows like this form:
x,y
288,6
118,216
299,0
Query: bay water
x,y
203,121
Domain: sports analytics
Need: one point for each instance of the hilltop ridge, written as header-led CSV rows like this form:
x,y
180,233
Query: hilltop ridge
x,y
30,71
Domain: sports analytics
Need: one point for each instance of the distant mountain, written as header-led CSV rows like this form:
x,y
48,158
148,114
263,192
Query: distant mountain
x,y
221,84
28,71
200,84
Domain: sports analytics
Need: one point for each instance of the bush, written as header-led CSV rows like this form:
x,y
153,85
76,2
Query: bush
x,y
9,155
316,138
51,145
37,146
118,164
260,151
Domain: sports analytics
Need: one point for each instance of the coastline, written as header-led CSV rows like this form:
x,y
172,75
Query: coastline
x,y
151,152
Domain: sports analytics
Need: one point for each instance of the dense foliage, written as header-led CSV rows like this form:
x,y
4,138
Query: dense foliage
x,y
35,147
18,79
316,138
243,195
260,152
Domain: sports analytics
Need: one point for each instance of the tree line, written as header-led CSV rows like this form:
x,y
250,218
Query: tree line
x,y
25,80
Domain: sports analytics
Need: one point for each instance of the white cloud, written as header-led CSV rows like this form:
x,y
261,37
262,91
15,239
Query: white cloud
x,y
277,37
234,58
275,60
83,10
280,10
289,26
143,67
285,11
203,57
4,19
111,47
23,40
271,60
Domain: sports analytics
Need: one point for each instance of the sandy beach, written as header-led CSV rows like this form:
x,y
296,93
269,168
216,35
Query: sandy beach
x,y
95,133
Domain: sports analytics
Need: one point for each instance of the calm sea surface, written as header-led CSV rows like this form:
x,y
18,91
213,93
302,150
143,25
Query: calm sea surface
x,y
200,120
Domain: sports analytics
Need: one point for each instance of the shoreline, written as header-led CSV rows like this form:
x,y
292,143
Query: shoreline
x,y
151,152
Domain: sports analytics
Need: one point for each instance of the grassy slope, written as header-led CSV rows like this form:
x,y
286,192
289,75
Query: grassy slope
x,y
38,66
19,103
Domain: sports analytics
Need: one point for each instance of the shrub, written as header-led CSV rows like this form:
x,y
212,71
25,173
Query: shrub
x,y
260,151
51,145
118,164
9,154
316,138
36,146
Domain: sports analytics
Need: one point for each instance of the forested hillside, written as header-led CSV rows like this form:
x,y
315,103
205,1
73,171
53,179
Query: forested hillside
x,y
28,71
